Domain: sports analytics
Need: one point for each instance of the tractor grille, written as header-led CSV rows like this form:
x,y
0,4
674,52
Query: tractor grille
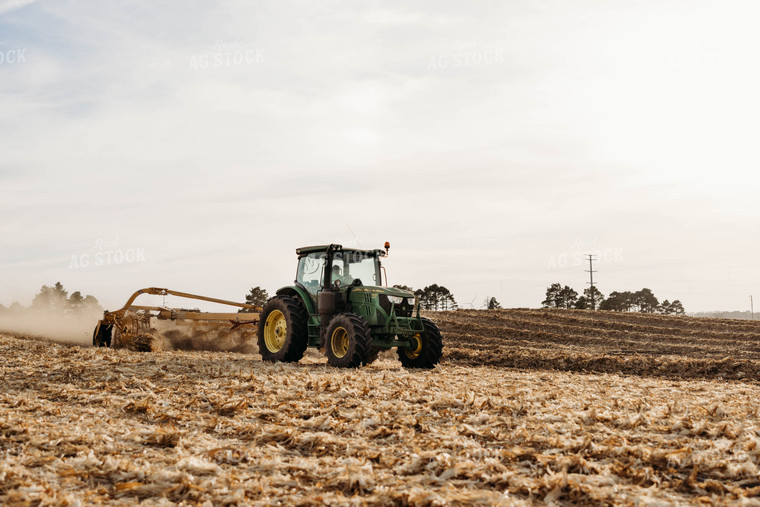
x,y
403,309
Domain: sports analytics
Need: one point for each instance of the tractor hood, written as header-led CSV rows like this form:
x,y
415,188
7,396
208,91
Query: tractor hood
x,y
376,304
388,291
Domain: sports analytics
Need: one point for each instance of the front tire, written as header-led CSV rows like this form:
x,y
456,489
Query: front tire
x,y
427,350
347,341
283,333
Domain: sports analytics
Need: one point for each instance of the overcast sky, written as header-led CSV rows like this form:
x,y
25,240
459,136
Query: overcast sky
x,y
196,145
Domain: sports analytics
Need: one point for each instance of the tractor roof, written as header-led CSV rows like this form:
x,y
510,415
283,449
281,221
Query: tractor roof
x,y
323,248
310,249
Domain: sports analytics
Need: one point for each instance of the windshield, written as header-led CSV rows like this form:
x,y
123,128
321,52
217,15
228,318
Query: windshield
x,y
349,266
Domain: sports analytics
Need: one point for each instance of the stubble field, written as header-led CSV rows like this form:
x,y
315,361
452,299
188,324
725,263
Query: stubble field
x,y
528,407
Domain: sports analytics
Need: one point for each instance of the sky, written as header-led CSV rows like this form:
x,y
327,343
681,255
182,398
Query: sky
x,y
195,145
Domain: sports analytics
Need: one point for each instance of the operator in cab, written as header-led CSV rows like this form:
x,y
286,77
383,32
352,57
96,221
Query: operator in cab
x,y
337,276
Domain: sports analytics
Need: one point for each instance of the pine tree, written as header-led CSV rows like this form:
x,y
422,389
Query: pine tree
x,y
552,296
594,298
257,297
567,297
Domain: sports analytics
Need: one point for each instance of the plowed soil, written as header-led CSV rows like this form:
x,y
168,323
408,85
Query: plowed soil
x,y
529,407
603,342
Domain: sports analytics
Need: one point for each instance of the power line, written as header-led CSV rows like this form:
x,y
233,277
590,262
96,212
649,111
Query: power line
x,y
591,272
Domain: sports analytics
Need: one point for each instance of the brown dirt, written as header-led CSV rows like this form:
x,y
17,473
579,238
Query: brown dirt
x,y
603,342
80,425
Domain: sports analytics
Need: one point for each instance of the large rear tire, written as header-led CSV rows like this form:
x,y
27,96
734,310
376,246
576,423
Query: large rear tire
x,y
347,341
428,348
283,333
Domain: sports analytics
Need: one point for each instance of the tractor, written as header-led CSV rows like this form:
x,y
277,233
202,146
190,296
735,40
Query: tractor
x,y
337,303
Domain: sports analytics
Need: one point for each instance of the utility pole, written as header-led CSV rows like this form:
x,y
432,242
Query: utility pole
x,y
591,272
752,307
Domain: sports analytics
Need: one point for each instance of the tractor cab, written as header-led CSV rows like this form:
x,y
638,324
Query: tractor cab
x,y
339,279
331,267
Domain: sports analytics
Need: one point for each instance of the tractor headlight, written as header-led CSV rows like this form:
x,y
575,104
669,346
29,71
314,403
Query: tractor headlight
x,y
396,300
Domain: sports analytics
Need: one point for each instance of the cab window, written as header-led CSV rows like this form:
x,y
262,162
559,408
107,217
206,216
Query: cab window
x,y
311,271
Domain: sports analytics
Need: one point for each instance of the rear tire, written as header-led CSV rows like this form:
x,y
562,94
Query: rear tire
x,y
283,333
428,350
347,341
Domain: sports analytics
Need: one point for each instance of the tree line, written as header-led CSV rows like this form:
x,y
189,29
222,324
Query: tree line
x,y
433,297
56,299
643,301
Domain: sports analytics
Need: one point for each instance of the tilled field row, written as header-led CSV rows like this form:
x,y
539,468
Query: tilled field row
x,y
581,341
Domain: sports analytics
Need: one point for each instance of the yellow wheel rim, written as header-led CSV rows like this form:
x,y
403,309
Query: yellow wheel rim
x,y
414,353
339,342
275,331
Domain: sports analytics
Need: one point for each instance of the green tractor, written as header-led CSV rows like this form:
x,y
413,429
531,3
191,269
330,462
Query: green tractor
x,y
338,303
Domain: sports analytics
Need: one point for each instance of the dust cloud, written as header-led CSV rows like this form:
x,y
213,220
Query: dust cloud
x,y
73,328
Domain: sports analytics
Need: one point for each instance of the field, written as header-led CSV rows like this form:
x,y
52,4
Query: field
x,y
604,342
528,407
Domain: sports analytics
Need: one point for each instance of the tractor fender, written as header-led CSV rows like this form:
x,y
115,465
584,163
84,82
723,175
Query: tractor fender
x,y
299,293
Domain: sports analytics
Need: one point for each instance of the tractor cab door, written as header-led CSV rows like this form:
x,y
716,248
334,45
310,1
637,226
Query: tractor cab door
x,y
311,273
330,298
